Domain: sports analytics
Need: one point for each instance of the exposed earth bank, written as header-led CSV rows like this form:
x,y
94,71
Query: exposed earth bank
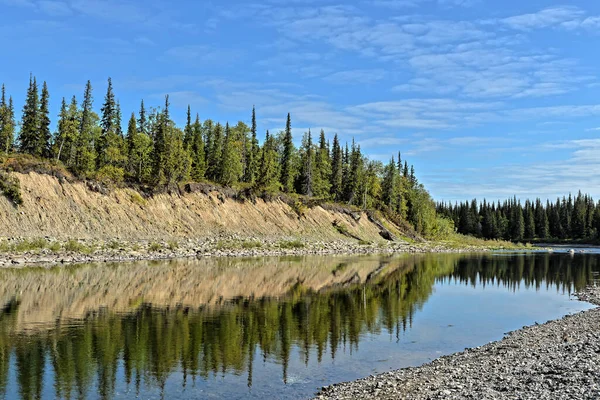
x,y
62,221
556,360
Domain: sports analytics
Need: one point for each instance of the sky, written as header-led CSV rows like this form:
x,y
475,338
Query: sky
x,y
486,98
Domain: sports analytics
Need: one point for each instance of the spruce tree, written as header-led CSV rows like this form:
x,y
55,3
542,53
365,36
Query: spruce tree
x,y
287,175
252,161
336,169
160,147
268,177
30,121
197,152
231,163
321,179
7,123
215,153
142,121
187,131
84,153
389,185
139,151
307,166
108,146
44,135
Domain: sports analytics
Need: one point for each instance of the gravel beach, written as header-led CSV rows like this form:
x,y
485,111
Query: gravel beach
x,y
85,251
556,360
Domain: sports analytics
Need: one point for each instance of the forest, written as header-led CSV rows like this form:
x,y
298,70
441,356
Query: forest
x,y
569,218
155,153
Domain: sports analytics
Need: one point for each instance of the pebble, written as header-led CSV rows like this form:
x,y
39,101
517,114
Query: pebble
x,y
532,363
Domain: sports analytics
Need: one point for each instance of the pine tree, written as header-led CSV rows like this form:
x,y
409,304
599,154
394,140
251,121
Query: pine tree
x,y
84,148
30,122
336,169
287,175
44,135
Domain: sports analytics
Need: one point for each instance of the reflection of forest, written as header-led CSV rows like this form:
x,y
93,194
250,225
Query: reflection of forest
x,y
317,306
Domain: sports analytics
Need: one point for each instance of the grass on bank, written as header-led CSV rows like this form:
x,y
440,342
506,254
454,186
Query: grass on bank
x,y
458,241
39,244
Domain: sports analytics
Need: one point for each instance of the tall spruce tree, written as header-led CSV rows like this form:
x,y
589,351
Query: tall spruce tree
x,y
142,121
268,177
307,159
109,146
336,169
44,135
215,152
252,160
188,133
7,123
30,121
197,151
287,174
231,163
84,153
321,179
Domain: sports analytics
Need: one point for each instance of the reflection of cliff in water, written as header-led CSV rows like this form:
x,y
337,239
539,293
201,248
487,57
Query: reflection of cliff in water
x,y
153,339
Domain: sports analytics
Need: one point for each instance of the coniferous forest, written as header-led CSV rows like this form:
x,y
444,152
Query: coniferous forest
x,y
150,150
569,218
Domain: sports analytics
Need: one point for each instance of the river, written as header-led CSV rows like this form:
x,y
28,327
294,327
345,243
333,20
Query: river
x,y
264,327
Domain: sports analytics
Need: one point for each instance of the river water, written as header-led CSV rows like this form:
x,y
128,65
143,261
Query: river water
x,y
265,327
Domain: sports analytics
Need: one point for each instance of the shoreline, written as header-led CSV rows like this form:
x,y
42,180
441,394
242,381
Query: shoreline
x,y
558,359
51,252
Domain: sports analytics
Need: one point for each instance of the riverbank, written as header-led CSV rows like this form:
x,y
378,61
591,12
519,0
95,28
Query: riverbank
x,y
19,252
559,359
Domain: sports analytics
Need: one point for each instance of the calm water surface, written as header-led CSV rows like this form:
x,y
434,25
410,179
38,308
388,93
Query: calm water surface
x,y
267,327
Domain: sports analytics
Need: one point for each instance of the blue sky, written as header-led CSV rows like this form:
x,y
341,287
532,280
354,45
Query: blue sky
x,y
485,98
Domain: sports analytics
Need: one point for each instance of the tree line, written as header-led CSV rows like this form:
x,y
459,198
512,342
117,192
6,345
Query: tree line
x,y
153,151
568,218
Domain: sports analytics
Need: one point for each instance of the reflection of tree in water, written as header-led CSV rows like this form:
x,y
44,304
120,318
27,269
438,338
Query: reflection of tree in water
x,y
151,343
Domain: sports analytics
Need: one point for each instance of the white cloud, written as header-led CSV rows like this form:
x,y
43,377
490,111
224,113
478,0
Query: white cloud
x,y
544,18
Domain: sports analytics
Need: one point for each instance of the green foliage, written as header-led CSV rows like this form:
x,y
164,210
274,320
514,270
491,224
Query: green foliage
x,y
11,188
7,123
291,244
172,245
251,245
287,166
154,247
76,247
136,198
110,175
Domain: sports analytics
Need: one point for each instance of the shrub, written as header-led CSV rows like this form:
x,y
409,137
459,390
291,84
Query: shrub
x,y
136,198
110,174
154,247
251,245
11,188
172,245
291,244
76,247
